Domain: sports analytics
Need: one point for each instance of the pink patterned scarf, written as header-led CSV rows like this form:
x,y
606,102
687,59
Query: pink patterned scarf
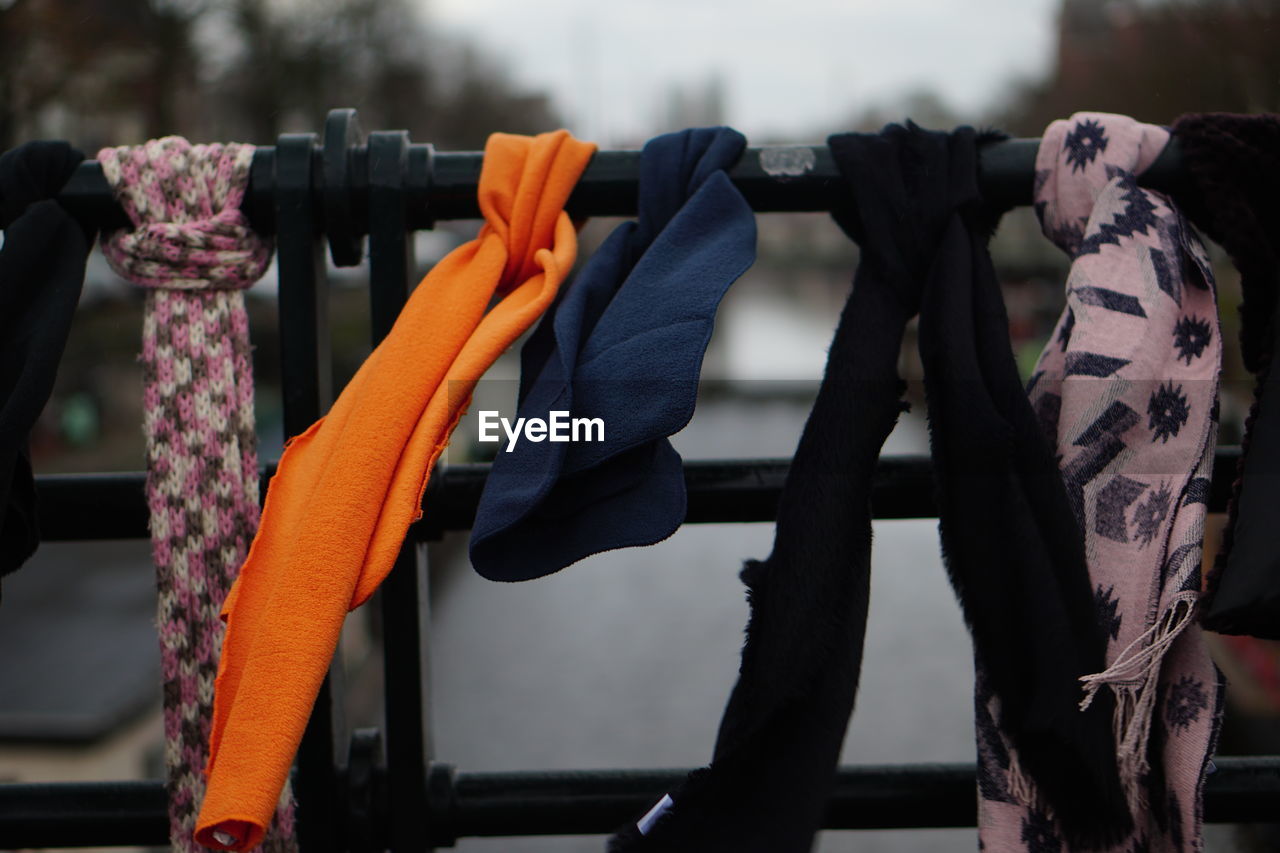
x,y
1127,392
194,251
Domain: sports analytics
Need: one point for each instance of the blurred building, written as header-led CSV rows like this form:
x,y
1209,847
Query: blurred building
x,y
697,104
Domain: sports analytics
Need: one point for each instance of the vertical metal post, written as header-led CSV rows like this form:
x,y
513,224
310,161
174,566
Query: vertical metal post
x,y
403,596
307,380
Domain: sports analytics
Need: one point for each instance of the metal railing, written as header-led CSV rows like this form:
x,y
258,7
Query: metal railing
x,y
373,789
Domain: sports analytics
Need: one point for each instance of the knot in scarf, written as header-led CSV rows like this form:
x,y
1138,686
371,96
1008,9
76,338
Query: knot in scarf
x,y
184,201
1126,391
900,208
193,247
1011,545
522,213
1092,161
623,346
347,489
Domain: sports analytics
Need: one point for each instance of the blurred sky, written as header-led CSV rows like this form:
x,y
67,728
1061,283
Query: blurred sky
x,y
790,67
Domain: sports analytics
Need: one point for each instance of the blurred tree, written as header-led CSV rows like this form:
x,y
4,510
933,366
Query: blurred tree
x,y
292,61
923,106
84,64
120,71
1155,61
475,98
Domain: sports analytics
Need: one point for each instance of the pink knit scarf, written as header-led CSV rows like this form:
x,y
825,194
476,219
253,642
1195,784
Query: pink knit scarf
x,y
1127,392
193,248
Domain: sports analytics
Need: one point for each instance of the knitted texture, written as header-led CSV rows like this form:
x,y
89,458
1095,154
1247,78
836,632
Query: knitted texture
x,y
1233,162
194,248
1127,392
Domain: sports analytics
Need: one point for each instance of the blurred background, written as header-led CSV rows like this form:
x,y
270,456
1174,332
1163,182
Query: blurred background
x,y
626,658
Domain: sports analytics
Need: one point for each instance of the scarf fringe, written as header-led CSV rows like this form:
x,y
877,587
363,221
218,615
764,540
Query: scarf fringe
x,y
1023,788
1134,679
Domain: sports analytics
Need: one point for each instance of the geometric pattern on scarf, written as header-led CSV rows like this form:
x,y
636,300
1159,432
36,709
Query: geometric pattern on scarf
x,y
194,250
1126,390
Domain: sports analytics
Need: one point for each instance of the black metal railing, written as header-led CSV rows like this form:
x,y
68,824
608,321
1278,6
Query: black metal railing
x,y
383,789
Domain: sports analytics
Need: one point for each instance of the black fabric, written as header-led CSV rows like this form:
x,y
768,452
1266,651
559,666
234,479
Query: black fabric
x,y
780,737
1013,548
41,274
1233,162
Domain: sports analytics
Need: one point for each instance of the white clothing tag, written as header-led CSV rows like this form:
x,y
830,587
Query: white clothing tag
x,y
646,823
225,838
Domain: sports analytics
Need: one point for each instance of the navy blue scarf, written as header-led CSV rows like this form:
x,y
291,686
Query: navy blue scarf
x,y
624,343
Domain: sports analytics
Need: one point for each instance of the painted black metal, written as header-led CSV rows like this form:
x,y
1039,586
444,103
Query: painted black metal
x,y
442,787
381,789
572,802
366,793
403,595
442,185
306,377
83,814
342,136
719,491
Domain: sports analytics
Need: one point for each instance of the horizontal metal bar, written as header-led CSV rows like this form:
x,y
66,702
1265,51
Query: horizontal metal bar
x,y
83,814
79,507
87,507
442,184
905,796
601,801
586,802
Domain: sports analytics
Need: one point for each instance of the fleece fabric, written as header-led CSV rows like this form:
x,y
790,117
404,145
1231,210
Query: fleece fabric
x,y
41,274
624,344
348,488
1127,392
1011,541
194,251
1233,162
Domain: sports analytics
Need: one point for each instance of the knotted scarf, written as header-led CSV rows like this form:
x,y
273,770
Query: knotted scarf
x,y
41,274
348,488
1233,162
1007,528
1127,392
194,251
623,344
1011,545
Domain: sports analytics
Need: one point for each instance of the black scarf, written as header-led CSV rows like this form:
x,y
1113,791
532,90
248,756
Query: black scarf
x,y
1014,551
41,274
1233,162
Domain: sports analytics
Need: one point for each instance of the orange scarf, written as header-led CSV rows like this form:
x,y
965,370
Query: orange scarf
x,y
348,488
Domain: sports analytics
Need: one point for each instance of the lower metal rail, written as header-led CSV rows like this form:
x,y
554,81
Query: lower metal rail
x,y
586,802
